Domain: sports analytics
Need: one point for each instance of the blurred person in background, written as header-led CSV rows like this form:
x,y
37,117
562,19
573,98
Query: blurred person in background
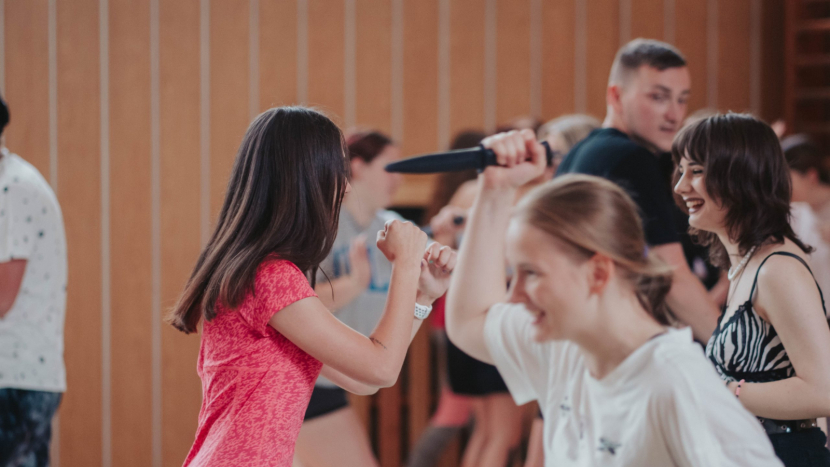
x,y
32,308
647,94
332,434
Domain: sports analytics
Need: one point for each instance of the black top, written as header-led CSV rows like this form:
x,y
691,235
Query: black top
x,y
610,154
747,347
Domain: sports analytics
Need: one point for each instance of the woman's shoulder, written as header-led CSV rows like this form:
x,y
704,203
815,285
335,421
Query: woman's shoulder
x,y
784,261
276,269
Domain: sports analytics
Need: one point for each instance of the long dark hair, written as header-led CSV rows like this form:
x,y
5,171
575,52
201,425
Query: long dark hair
x,y
747,174
590,215
283,199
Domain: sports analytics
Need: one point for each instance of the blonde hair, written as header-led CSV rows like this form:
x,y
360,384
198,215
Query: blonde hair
x,y
573,128
590,215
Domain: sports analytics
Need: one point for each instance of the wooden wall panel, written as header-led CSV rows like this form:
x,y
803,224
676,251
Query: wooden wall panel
x,y
466,65
733,55
27,81
180,216
79,193
420,94
229,68
130,221
772,58
326,57
691,38
277,54
558,33
373,64
647,19
136,438
602,43
512,60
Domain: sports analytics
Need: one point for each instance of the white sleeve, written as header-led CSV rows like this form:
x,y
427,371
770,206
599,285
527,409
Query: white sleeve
x,y
704,425
18,221
522,363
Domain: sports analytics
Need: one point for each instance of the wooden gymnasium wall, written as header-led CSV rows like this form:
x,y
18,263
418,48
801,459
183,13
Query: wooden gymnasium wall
x,y
133,110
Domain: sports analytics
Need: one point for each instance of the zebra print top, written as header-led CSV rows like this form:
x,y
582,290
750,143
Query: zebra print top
x,y
747,347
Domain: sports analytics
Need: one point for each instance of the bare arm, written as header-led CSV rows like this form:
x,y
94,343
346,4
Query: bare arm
x,y
11,276
788,298
688,298
479,281
438,264
354,386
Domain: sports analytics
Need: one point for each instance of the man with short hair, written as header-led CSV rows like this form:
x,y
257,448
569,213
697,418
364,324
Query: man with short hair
x,y
32,307
647,94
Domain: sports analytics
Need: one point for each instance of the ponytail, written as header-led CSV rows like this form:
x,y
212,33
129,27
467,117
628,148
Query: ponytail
x,y
653,284
592,215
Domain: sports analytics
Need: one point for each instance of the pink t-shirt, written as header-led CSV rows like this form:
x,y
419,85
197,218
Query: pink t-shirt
x,y
256,384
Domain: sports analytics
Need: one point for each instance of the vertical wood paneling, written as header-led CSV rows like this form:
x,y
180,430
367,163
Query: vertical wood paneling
x,y
326,57
647,19
373,64
772,58
180,220
277,54
131,274
558,33
420,98
733,55
466,65
420,386
27,81
79,194
277,62
389,426
691,39
228,83
602,43
513,60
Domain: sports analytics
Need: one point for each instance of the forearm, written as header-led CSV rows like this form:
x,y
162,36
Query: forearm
x,y
692,305
479,279
394,331
787,399
357,387
338,293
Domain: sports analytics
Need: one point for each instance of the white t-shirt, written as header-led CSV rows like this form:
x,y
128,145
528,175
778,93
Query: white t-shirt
x,y
662,406
31,228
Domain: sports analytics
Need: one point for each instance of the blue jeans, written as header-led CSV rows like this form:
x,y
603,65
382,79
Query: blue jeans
x,y
26,426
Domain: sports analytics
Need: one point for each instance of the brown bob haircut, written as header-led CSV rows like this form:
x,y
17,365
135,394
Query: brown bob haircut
x,y
746,173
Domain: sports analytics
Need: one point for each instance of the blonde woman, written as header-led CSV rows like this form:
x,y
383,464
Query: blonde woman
x,y
585,330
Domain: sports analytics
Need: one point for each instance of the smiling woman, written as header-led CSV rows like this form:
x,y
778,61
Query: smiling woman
x,y
585,331
770,344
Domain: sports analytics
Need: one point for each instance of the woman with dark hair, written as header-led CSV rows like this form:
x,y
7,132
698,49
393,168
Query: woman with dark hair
x,y
772,339
266,336
585,330
332,434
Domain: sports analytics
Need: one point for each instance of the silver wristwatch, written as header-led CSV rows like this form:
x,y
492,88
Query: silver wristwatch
x,y
422,311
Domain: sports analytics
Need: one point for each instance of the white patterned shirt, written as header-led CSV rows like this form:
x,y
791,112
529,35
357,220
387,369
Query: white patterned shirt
x,y
31,228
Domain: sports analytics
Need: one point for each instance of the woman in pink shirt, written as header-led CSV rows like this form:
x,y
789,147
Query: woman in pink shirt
x,y
266,336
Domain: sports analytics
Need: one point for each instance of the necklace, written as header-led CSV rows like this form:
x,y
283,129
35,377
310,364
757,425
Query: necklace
x,y
740,266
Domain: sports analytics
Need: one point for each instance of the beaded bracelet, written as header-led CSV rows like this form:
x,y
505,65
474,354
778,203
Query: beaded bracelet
x,y
738,389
